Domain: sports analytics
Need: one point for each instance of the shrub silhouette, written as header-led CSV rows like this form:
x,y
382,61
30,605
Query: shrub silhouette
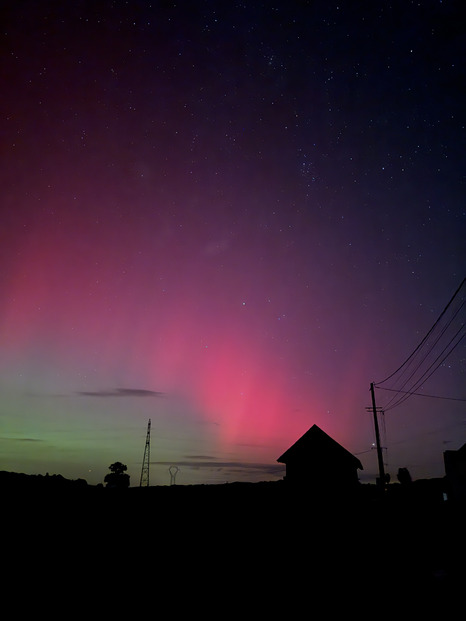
x,y
404,476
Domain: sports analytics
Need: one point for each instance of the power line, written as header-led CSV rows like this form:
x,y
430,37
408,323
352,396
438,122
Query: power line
x,y
426,336
421,394
409,384
423,377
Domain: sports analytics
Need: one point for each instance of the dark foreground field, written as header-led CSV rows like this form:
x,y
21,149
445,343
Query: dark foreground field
x,y
249,550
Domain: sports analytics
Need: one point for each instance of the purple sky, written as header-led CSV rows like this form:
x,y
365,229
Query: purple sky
x,y
230,220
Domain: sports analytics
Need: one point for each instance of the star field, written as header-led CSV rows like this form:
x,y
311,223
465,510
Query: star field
x,y
236,217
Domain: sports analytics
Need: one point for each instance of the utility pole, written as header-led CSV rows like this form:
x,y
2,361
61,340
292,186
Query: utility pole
x,y
381,481
144,481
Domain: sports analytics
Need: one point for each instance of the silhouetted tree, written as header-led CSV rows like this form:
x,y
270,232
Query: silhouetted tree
x,y
403,476
117,476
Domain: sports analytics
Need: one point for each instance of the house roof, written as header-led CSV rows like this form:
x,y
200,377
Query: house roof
x,y
320,445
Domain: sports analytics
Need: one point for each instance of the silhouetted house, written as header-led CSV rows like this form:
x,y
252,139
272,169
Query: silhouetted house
x,y
318,461
455,472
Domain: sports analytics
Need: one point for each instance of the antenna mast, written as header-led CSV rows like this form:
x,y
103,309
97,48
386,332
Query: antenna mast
x,y
144,482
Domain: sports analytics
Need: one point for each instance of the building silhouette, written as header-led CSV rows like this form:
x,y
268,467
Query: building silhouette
x,y
317,461
455,472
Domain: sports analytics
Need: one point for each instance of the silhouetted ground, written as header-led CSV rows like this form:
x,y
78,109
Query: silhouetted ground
x,y
249,549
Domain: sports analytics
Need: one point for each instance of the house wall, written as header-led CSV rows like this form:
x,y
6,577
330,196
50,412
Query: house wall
x,y
455,471
318,475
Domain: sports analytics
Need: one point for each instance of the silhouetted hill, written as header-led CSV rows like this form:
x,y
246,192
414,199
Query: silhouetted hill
x,y
252,536
274,496
30,482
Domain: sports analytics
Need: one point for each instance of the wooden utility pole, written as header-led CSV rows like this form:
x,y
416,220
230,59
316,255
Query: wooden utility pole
x,y
381,481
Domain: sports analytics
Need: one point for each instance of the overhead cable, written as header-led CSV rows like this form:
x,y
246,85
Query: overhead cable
x,y
426,336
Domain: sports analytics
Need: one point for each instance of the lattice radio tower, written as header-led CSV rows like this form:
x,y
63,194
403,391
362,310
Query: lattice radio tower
x,y
144,482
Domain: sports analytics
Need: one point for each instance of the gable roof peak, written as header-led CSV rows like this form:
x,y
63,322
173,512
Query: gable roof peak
x,y
319,443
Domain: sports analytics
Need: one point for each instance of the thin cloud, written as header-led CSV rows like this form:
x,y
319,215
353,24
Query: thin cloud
x,y
121,392
195,458
5,439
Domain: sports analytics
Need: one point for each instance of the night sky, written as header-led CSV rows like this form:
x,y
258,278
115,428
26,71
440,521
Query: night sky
x,y
229,218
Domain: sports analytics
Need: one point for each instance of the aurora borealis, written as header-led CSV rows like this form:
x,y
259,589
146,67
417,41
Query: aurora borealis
x,y
229,219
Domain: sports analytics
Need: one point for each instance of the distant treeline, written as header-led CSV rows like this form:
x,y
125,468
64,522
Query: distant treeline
x,y
12,480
